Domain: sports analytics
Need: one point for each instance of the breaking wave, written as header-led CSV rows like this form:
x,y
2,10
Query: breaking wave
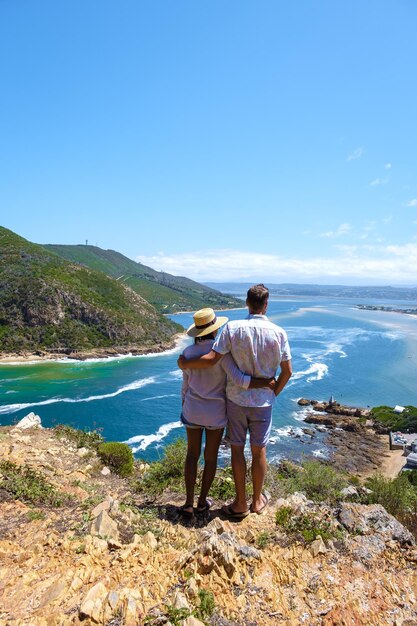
x,y
137,384
145,440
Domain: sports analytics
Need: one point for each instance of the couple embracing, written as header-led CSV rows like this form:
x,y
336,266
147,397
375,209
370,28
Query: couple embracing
x,y
229,381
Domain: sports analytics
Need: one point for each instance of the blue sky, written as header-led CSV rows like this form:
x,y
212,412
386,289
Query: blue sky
x,y
271,140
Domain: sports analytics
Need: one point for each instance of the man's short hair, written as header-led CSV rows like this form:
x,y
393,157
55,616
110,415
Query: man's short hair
x,y
257,296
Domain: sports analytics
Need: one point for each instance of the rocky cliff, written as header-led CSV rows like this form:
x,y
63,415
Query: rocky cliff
x,y
82,547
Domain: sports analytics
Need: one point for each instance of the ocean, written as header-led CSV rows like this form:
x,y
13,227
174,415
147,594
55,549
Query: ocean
x,y
361,357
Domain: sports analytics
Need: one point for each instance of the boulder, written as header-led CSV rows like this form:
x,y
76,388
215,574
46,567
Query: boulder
x,y
373,518
349,492
318,547
105,526
150,540
92,605
180,601
31,420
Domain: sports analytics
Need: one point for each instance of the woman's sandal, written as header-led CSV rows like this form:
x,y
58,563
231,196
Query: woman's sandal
x,y
206,507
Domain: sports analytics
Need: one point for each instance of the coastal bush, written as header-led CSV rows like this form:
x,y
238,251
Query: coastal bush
x,y
167,472
411,477
207,605
398,496
223,487
388,419
81,438
24,483
319,482
306,526
118,456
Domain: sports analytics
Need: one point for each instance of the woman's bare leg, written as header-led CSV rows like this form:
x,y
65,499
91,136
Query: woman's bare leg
x,y
211,450
194,437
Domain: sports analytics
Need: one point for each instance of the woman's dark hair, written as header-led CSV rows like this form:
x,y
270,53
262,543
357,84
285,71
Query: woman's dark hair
x,y
209,336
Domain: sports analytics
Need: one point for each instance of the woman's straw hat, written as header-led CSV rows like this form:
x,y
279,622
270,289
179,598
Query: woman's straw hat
x,y
205,322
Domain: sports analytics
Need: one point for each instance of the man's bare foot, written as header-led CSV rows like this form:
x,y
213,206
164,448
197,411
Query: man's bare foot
x,y
258,506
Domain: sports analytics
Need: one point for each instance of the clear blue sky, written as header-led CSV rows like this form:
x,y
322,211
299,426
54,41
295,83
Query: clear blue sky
x,y
234,140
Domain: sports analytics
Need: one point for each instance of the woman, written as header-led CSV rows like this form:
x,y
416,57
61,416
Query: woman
x,y
204,406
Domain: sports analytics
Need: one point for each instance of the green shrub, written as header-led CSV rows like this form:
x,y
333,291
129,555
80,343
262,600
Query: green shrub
x,y
263,539
24,483
118,456
397,496
386,417
206,607
223,487
167,472
81,438
304,526
411,477
319,482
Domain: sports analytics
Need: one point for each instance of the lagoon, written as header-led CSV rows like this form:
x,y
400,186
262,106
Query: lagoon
x,y
362,357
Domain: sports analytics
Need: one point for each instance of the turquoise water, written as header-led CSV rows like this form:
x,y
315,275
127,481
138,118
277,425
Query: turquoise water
x,y
361,357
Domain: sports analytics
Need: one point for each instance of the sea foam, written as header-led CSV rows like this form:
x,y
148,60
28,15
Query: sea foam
x,y
146,440
137,384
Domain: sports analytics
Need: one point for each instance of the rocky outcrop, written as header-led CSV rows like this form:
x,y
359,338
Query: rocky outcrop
x,y
105,557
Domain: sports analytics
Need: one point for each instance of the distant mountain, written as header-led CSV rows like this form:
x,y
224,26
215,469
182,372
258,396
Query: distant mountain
x,y
330,291
167,293
48,303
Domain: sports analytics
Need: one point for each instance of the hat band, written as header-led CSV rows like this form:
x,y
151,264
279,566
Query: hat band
x,y
206,325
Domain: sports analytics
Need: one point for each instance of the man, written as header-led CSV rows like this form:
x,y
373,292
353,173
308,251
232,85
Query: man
x,y
258,347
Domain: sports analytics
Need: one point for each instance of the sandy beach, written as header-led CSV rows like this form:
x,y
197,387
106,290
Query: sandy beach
x,y
96,353
393,461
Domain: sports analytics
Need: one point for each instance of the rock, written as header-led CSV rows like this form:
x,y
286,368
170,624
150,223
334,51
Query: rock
x,y
303,402
349,492
318,546
105,526
192,588
365,548
31,420
191,621
308,431
105,471
180,601
131,612
150,540
92,605
102,506
82,452
248,552
373,518
296,501
113,600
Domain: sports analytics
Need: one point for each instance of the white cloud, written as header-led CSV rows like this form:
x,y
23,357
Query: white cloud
x,y
412,202
343,229
356,154
363,264
379,181
387,219
387,166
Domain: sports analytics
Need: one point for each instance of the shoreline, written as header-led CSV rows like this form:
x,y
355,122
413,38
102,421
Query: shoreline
x,y
355,443
101,354
236,308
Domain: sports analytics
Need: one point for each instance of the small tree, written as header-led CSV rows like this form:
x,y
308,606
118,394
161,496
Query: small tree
x,y
118,456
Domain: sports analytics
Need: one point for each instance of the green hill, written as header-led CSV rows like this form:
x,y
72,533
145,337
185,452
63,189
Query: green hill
x,y
167,293
47,302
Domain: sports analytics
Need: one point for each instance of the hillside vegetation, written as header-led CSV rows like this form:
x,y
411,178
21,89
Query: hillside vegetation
x,y
167,293
386,417
49,303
